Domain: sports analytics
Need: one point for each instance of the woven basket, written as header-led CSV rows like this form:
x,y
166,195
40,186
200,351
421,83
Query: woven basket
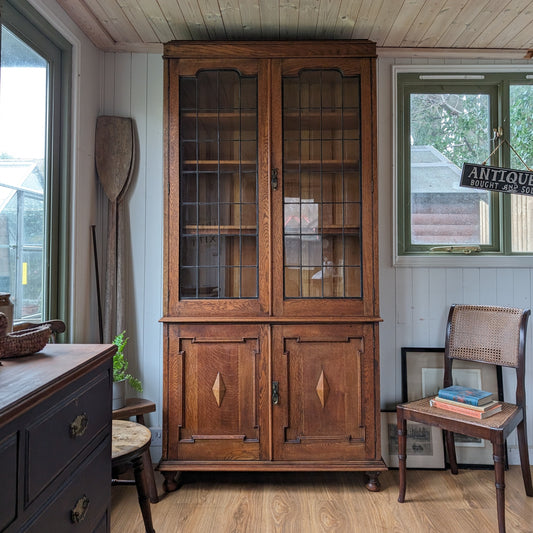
x,y
24,341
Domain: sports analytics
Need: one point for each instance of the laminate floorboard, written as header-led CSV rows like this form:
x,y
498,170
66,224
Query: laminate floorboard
x,y
320,502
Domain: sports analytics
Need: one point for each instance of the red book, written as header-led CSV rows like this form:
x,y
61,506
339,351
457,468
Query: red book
x,y
465,410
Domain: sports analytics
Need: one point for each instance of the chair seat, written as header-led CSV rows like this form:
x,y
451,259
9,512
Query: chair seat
x,y
422,408
128,439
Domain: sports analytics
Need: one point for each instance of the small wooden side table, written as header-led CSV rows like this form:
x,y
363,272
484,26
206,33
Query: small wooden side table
x,y
138,407
128,445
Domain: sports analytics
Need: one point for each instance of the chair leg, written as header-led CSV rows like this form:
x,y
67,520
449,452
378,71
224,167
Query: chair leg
x,y
149,477
144,502
450,448
499,473
148,469
402,446
521,431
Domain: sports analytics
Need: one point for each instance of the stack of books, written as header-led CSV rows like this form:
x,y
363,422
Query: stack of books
x,y
467,401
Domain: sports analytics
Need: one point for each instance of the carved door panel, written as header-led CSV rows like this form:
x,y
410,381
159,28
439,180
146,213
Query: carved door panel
x,y
326,382
214,377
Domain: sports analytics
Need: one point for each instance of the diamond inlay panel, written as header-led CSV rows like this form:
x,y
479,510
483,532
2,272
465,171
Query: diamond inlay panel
x,y
219,389
322,389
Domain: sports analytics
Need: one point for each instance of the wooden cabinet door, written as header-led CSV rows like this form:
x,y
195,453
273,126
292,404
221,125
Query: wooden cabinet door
x,y
327,379
213,381
324,242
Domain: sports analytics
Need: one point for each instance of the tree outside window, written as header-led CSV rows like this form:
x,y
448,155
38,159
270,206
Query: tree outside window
x,y
443,125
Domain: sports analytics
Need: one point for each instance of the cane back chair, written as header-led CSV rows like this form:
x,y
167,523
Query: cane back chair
x,y
485,334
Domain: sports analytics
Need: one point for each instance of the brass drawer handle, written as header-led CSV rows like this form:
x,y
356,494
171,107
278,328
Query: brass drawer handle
x,y
79,425
77,514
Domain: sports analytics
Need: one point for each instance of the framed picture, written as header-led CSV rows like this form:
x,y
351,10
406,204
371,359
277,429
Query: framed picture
x,y
425,448
423,374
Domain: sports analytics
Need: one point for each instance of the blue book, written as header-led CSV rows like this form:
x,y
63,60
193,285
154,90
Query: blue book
x,y
467,395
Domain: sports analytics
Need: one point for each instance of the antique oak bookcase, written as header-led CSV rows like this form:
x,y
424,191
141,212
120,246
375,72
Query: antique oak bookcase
x,y
271,271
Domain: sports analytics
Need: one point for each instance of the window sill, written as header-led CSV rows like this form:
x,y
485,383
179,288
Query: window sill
x,y
464,261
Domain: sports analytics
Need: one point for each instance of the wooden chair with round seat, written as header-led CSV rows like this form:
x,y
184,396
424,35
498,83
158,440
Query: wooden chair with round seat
x,y
130,441
485,334
138,407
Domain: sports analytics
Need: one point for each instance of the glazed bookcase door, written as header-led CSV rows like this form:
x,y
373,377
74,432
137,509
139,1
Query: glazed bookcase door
x,y
326,408
217,237
323,208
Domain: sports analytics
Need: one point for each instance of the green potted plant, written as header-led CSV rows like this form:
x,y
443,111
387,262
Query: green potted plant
x,y
121,376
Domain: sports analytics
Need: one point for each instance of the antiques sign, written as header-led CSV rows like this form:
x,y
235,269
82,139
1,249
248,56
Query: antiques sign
x,y
497,179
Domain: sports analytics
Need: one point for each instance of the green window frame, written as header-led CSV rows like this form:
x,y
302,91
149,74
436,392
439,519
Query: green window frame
x,y
28,25
501,223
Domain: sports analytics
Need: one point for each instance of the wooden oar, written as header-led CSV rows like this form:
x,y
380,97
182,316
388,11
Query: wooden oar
x,y
115,158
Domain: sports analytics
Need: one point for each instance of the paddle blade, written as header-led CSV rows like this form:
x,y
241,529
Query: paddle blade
x,y
114,153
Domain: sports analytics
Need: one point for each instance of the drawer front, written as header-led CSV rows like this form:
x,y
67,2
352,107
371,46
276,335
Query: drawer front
x,y
54,439
82,503
9,485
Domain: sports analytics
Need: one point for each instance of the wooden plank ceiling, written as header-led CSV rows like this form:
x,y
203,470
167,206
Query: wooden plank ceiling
x,y
142,25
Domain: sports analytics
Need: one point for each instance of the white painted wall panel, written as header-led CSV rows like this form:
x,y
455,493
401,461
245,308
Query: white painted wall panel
x,y
390,375
421,306
133,87
488,282
152,349
437,311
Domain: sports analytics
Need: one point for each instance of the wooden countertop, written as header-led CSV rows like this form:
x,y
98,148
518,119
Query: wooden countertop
x,y
28,379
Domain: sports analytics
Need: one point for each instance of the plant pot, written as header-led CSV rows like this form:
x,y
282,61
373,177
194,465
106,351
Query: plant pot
x,y
119,394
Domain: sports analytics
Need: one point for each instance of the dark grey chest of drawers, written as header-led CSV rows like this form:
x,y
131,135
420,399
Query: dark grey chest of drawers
x,y
55,440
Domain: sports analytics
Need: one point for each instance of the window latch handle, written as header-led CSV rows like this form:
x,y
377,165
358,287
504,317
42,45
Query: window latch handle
x,y
456,249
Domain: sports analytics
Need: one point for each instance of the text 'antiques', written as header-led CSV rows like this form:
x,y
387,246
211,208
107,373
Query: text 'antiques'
x,y
497,179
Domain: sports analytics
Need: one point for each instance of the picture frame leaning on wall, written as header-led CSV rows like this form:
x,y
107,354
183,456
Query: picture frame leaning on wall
x,y
423,374
425,446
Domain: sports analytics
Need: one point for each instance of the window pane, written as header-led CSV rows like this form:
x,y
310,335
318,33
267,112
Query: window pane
x,y
23,123
447,130
521,139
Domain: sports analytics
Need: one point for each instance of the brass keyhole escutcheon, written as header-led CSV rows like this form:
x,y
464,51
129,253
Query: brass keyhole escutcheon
x,y
275,392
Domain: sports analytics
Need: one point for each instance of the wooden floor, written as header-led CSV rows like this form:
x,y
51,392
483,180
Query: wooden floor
x,y
286,502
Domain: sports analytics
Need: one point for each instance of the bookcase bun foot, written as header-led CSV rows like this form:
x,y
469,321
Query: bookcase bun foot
x,y
372,482
172,481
